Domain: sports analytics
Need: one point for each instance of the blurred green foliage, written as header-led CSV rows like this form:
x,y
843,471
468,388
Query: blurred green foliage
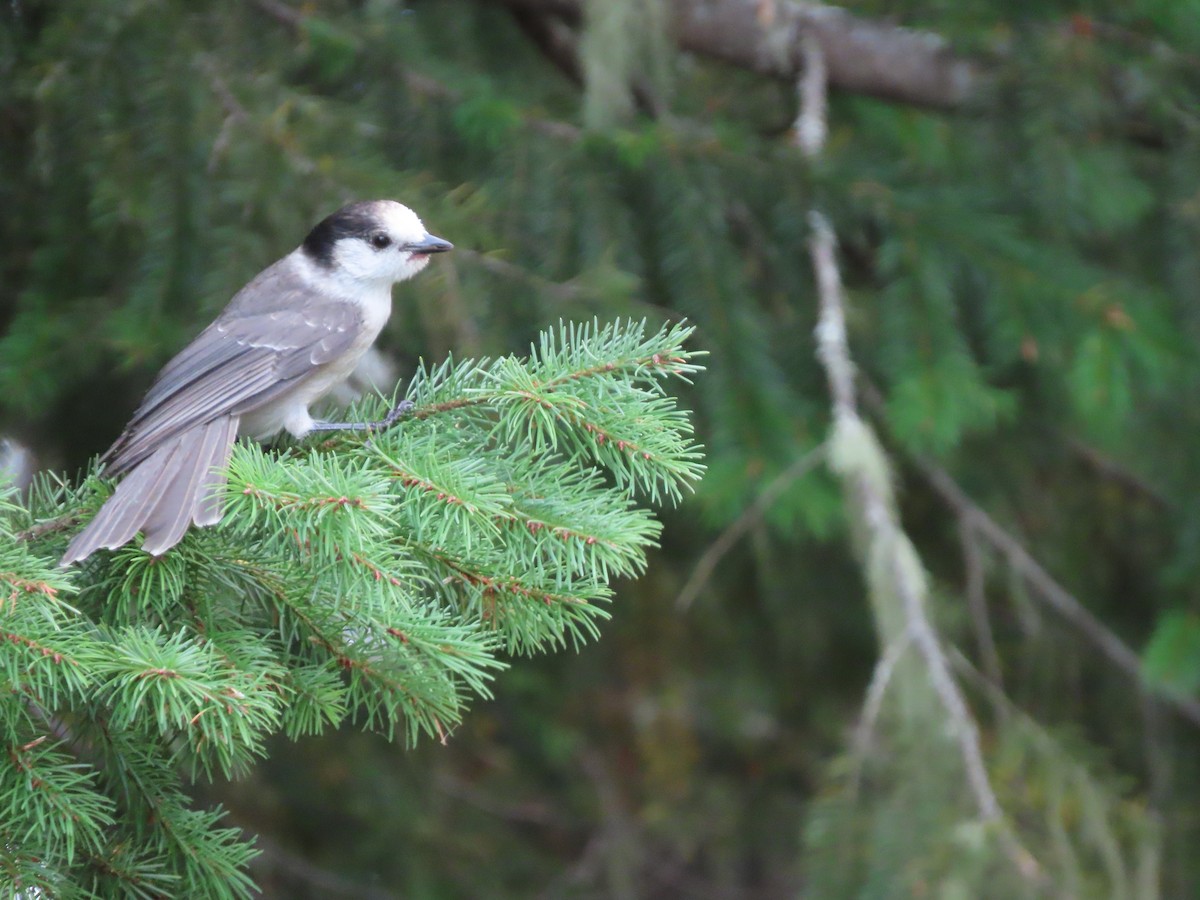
x,y
1021,276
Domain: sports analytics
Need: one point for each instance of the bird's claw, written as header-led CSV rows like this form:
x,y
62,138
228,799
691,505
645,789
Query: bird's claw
x,y
398,411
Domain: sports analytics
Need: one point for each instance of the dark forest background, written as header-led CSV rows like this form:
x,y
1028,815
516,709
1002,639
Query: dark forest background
x,y
1014,190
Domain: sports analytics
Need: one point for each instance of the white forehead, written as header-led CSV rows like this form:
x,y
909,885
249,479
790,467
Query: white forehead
x,y
399,221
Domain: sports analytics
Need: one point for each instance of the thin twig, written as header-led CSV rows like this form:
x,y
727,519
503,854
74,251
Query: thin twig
x,y
881,679
558,290
728,538
293,870
976,591
1158,768
1046,588
531,811
235,113
58,728
1108,468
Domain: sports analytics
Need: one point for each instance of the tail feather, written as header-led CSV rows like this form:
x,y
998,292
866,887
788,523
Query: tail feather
x,y
121,516
183,500
162,494
208,510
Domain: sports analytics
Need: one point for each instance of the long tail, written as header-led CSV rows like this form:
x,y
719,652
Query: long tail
x,y
177,484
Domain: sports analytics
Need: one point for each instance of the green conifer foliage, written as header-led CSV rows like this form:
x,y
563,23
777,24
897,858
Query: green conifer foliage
x,y
1020,273
376,579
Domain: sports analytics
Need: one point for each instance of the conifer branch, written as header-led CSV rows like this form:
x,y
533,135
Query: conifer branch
x,y
377,579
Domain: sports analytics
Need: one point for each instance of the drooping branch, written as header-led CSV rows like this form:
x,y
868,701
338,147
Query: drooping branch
x,y
887,550
888,557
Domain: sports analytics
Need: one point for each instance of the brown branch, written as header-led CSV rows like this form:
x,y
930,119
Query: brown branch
x,y
50,526
1045,587
1106,467
753,513
866,57
554,37
291,871
976,591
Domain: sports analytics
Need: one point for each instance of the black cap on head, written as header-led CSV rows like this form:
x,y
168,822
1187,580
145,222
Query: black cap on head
x,y
355,220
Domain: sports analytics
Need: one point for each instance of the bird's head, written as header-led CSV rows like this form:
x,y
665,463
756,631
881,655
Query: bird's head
x,y
373,241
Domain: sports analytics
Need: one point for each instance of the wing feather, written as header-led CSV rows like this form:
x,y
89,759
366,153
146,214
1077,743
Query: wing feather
x,y
272,336
235,366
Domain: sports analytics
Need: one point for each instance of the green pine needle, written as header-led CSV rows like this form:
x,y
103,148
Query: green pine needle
x,y
380,580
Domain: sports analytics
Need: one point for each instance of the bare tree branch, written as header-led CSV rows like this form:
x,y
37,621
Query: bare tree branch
x,y
291,872
881,679
812,126
880,519
866,57
554,37
1047,588
557,36
886,539
1108,468
976,591
728,538
558,290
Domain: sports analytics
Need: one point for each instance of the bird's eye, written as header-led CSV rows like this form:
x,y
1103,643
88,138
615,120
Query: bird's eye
x,y
379,240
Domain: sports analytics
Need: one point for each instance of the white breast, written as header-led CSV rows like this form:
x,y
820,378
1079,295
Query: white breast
x,y
291,411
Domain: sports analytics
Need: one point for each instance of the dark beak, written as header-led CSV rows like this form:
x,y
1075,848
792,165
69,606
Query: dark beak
x,y
429,244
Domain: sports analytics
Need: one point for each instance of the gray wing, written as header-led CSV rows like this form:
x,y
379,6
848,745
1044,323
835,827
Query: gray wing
x,y
248,357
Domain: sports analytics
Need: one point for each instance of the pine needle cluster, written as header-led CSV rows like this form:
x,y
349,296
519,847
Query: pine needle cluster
x,y
380,578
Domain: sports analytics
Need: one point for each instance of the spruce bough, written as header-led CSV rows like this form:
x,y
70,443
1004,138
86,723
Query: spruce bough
x,y
378,577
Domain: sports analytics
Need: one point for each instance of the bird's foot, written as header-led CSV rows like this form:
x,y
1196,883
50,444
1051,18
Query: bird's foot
x,y
399,411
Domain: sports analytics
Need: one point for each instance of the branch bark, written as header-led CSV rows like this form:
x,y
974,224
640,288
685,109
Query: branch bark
x,y
885,548
878,59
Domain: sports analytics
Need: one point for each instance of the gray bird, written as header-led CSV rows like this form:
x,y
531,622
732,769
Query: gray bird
x,y
285,340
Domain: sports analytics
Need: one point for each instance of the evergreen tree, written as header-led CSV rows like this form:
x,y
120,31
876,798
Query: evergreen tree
x,y
1012,188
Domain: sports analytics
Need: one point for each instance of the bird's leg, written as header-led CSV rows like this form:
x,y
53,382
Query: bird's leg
x,y
397,412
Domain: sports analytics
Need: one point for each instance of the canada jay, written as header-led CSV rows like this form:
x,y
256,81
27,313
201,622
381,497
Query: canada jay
x,y
284,341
